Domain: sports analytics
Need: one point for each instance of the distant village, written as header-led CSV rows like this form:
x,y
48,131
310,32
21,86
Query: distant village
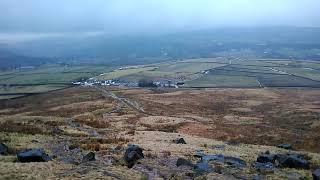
x,y
157,83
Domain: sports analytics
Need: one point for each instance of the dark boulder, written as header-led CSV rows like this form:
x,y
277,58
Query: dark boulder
x,y
219,158
292,161
180,141
264,168
265,158
184,162
33,155
285,146
235,162
3,149
316,174
133,154
91,156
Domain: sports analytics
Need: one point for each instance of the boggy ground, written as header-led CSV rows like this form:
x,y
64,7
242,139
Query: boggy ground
x,y
234,122
253,116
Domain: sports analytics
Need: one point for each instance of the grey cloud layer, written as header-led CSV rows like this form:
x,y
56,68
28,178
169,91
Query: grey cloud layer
x,y
152,15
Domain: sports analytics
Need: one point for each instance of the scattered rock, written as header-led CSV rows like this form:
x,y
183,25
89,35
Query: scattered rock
x,y
295,176
199,154
57,131
180,141
285,146
133,154
265,158
218,147
267,152
233,143
292,161
91,156
184,162
203,167
3,149
219,158
264,168
316,174
118,148
259,177
285,160
216,158
33,155
235,162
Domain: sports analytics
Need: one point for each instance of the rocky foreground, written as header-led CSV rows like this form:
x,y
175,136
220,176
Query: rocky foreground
x,y
160,156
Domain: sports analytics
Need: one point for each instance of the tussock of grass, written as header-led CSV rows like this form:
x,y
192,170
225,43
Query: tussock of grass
x,y
91,120
172,128
22,128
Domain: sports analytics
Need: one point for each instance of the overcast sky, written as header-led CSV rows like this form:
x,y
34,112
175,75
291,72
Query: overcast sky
x,y
115,16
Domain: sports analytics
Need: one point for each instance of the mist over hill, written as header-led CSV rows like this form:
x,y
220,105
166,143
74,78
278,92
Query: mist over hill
x,y
263,42
10,60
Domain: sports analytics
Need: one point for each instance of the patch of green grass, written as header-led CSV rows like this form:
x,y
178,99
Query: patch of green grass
x,y
188,67
45,78
223,81
30,89
125,72
304,72
53,73
286,80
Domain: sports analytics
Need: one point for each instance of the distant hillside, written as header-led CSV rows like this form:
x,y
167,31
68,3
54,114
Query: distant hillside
x,y
281,42
9,60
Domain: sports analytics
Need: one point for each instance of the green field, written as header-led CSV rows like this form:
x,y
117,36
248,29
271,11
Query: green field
x,y
204,72
45,78
29,89
120,73
51,74
223,81
178,70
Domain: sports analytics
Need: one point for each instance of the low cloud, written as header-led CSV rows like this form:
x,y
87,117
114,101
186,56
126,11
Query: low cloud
x,y
153,16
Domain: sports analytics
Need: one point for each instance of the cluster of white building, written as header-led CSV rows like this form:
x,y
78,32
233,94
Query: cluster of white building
x,y
158,83
92,82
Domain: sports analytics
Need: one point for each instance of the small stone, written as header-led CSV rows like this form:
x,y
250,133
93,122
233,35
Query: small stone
x,y
199,154
236,162
285,146
180,141
91,156
316,174
259,177
184,162
264,168
218,147
3,149
295,176
267,152
216,158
